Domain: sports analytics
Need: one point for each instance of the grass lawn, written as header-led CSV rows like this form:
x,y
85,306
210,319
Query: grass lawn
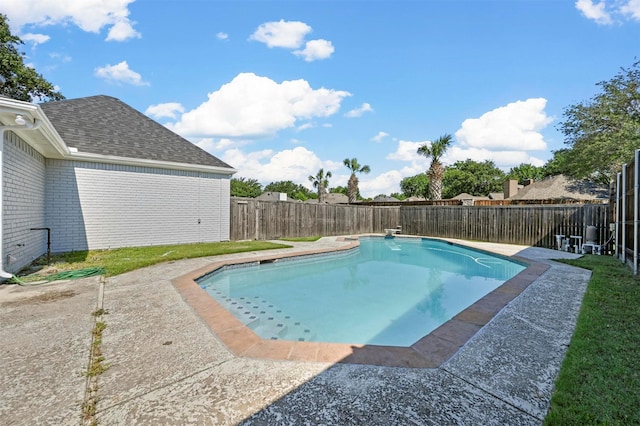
x,y
599,381
302,239
118,261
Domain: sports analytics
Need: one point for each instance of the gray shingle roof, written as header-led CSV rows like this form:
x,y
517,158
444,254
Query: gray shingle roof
x,y
562,187
107,126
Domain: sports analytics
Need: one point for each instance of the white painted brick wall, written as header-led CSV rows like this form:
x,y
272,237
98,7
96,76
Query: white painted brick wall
x,y
94,206
23,206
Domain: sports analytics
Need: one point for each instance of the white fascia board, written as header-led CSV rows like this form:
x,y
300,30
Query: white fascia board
x,y
34,114
140,162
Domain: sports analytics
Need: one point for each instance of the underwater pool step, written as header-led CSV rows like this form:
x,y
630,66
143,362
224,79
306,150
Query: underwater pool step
x,y
270,329
264,318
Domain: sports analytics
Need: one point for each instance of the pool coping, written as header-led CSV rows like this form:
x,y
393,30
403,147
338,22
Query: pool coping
x,y
428,352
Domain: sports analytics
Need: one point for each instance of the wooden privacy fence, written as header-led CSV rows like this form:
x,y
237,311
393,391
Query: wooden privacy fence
x,y
627,213
266,220
535,225
532,225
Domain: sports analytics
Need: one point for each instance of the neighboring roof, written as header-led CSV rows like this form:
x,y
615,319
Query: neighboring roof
x,y
336,198
272,196
496,195
332,198
107,126
384,199
465,196
562,187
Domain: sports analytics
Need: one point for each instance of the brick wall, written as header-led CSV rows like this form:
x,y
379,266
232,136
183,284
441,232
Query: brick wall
x,y
95,205
23,183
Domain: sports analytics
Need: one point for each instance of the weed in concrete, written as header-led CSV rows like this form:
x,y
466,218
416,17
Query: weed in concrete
x,y
96,367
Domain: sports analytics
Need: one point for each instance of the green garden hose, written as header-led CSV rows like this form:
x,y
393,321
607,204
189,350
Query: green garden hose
x,y
79,273
66,275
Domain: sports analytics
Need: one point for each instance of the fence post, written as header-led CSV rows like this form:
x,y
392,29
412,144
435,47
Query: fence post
x,y
257,236
623,255
635,211
618,240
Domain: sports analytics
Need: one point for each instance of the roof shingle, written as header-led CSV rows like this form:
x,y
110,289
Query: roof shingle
x,y
107,126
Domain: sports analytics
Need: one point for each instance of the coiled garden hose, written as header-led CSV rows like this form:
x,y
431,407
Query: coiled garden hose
x,y
66,275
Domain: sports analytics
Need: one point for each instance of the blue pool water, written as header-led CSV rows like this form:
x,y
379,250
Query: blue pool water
x,y
389,291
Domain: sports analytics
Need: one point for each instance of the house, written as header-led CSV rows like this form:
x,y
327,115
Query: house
x,y
468,199
331,198
384,199
559,187
94,173
272,196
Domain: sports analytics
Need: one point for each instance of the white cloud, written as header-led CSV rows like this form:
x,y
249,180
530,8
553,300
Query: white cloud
x,y
384,183
287,34
121,31
504,160
290,35
295,164
515,127
88,15
632,9
357,112
604,13
120,73
594,11
378,138
166,110
253,106
305,126
36,39
222,36
215,145
315,49
407,151
60,57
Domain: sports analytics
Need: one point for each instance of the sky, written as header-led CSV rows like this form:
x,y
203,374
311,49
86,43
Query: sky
x,y
281,89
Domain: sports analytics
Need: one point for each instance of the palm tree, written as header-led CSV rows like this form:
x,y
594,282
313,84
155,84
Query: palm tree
x,y
435,151
321,181
355,167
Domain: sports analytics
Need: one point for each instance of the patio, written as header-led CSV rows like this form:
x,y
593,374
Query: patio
x,y
166,366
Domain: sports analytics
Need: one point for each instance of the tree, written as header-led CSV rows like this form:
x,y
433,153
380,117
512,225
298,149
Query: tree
x,y
415,186
321,182
339,190
293,191
352,186
472,177
435,151
559,164
604,132
242,187
18,81
525,171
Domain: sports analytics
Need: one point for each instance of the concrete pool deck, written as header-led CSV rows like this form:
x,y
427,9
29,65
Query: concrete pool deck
x,y
166,366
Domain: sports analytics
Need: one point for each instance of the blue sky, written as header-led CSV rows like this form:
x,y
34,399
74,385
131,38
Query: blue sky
x,y
280,89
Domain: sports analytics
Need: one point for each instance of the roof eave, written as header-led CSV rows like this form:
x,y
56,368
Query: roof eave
x,y
57,148
38,124
140,162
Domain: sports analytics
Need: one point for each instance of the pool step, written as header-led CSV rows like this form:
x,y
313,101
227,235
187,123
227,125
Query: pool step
x,y
264,318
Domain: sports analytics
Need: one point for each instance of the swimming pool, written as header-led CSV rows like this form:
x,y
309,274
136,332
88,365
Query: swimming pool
x,y
389,291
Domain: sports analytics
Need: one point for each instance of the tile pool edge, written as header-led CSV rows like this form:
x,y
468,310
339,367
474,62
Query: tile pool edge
x,y
428,352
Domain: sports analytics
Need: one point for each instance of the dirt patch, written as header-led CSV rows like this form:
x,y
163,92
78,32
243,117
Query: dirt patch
x,y
49,296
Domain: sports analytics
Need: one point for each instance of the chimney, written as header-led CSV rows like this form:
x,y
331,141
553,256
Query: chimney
x,y
510,188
